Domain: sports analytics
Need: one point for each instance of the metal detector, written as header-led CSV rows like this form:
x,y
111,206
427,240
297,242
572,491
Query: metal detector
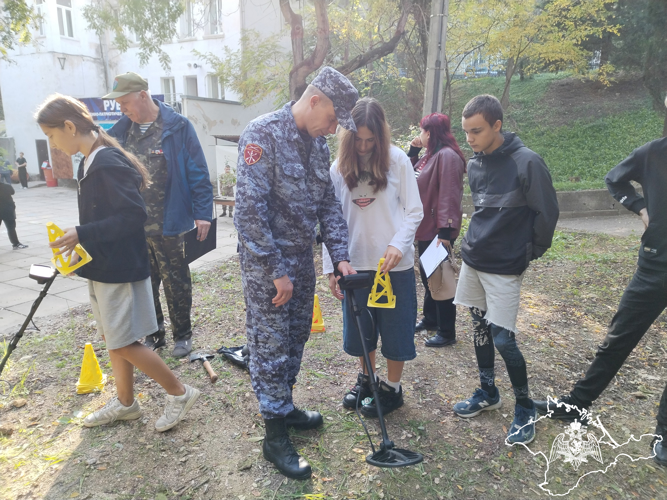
x,y
44,275
387,455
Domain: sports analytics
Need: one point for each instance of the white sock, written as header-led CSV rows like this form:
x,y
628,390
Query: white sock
x,y
394,385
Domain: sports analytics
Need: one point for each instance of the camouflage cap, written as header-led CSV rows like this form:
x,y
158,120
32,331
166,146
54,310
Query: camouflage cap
x,y
126,83
341,92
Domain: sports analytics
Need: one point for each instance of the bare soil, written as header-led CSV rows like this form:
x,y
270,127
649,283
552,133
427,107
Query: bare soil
x,y
575,99
568,300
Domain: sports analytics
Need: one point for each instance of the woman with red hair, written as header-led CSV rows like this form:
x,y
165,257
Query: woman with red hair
x,y
440,180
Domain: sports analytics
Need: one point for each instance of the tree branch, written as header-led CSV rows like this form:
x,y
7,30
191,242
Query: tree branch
x,y
383,49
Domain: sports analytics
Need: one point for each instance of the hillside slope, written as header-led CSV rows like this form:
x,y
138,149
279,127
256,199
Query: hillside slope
x,y
581,129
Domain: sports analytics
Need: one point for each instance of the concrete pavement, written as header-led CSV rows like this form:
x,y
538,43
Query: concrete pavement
x,y
34,208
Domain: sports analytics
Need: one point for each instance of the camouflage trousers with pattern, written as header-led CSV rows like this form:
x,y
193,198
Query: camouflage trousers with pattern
x,y
168,267
277,335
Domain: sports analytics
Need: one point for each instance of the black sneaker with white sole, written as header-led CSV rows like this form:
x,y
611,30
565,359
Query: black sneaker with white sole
x,y
390,400
361,390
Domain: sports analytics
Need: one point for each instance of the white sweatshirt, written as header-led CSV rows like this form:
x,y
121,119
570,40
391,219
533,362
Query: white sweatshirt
x,y
376,220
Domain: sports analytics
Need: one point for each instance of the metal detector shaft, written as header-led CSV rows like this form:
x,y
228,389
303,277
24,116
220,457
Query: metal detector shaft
x,y
386,443
35,305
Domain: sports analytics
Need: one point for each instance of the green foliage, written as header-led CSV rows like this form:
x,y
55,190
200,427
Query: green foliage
x,y
153,22
256,71
579,153
16,18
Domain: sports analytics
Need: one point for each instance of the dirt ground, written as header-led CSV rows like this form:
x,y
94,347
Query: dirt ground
x,y
575,98
568,300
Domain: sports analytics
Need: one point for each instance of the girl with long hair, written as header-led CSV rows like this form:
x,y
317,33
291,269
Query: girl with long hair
x,y
376,186
111,217
440,179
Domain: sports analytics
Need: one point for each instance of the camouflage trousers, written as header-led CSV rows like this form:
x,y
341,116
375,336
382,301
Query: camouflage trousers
x,y
277,335
169,268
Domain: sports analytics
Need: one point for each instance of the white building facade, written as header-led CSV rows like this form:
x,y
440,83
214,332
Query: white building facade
x,y
68,58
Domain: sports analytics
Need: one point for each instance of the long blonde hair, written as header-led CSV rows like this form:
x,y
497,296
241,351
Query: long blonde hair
x,y
58,108
366,113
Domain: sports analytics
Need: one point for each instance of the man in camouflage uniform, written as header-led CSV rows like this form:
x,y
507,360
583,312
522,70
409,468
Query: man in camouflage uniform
x,y
283,190
179,198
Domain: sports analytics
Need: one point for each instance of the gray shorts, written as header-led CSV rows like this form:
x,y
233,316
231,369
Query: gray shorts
x,y
497,294
125,312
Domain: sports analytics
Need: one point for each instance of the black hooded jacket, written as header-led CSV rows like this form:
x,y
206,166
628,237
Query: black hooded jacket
x,y
646,165
111,217
516,209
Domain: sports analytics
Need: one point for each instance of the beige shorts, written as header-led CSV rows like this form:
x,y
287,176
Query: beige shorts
x,y
497,294
125,312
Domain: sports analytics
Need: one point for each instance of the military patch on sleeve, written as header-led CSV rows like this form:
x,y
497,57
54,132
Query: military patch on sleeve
x,y
252,153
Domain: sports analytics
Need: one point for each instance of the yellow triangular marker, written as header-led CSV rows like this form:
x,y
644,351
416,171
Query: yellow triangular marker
x,y
92,379
381,288
62,263
318,321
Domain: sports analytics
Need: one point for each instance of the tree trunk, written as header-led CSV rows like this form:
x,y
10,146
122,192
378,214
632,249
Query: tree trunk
x,y
302,67
505,100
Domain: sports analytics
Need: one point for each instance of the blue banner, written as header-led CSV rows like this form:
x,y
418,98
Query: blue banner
x,y
107,110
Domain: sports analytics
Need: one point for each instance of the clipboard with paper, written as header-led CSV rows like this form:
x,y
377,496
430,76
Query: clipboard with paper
x,y
433,256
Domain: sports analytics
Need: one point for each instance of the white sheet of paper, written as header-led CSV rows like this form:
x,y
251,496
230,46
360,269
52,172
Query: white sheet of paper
x,y
433,256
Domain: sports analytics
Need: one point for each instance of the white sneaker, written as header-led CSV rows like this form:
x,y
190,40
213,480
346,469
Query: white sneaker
x,y
112,411
176,409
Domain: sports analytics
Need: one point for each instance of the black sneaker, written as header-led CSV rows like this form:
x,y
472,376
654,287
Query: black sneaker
x,y
155,341
20,246
390,400
362,388
563,409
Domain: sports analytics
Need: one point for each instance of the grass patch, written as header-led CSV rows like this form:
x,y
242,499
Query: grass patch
x,y
580,144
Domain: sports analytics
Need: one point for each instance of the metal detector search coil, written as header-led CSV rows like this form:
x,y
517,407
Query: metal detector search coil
x,y
387,455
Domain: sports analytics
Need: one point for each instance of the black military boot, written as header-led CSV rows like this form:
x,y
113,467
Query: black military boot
x,y
303,419
563,409
279,451
660,447
362,389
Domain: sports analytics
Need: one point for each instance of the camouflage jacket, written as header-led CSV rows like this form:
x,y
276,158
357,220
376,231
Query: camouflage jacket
x,y
281,195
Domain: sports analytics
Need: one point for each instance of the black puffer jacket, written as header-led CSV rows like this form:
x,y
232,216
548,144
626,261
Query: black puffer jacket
x,y
516,209
111,217
646,165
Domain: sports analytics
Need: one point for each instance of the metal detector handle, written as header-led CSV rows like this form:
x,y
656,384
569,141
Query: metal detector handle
x,y
15,340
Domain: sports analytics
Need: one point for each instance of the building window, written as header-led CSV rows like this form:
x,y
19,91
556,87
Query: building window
x,y
65,18
215,17
215,89
169,90
191,86
188,20
40,17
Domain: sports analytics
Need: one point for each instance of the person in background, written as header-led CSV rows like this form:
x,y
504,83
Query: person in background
x,y
21,164
180,198
440,179
8,214
376,186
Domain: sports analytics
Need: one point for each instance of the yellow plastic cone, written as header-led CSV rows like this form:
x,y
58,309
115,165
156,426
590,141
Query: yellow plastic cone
x,y
63,264
382,288
318,321
92,379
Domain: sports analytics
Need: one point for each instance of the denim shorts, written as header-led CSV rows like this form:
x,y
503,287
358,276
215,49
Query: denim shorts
x,y
395,326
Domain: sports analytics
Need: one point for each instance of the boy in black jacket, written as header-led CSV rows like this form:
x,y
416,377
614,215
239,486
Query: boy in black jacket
x,y
644,299
516,211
